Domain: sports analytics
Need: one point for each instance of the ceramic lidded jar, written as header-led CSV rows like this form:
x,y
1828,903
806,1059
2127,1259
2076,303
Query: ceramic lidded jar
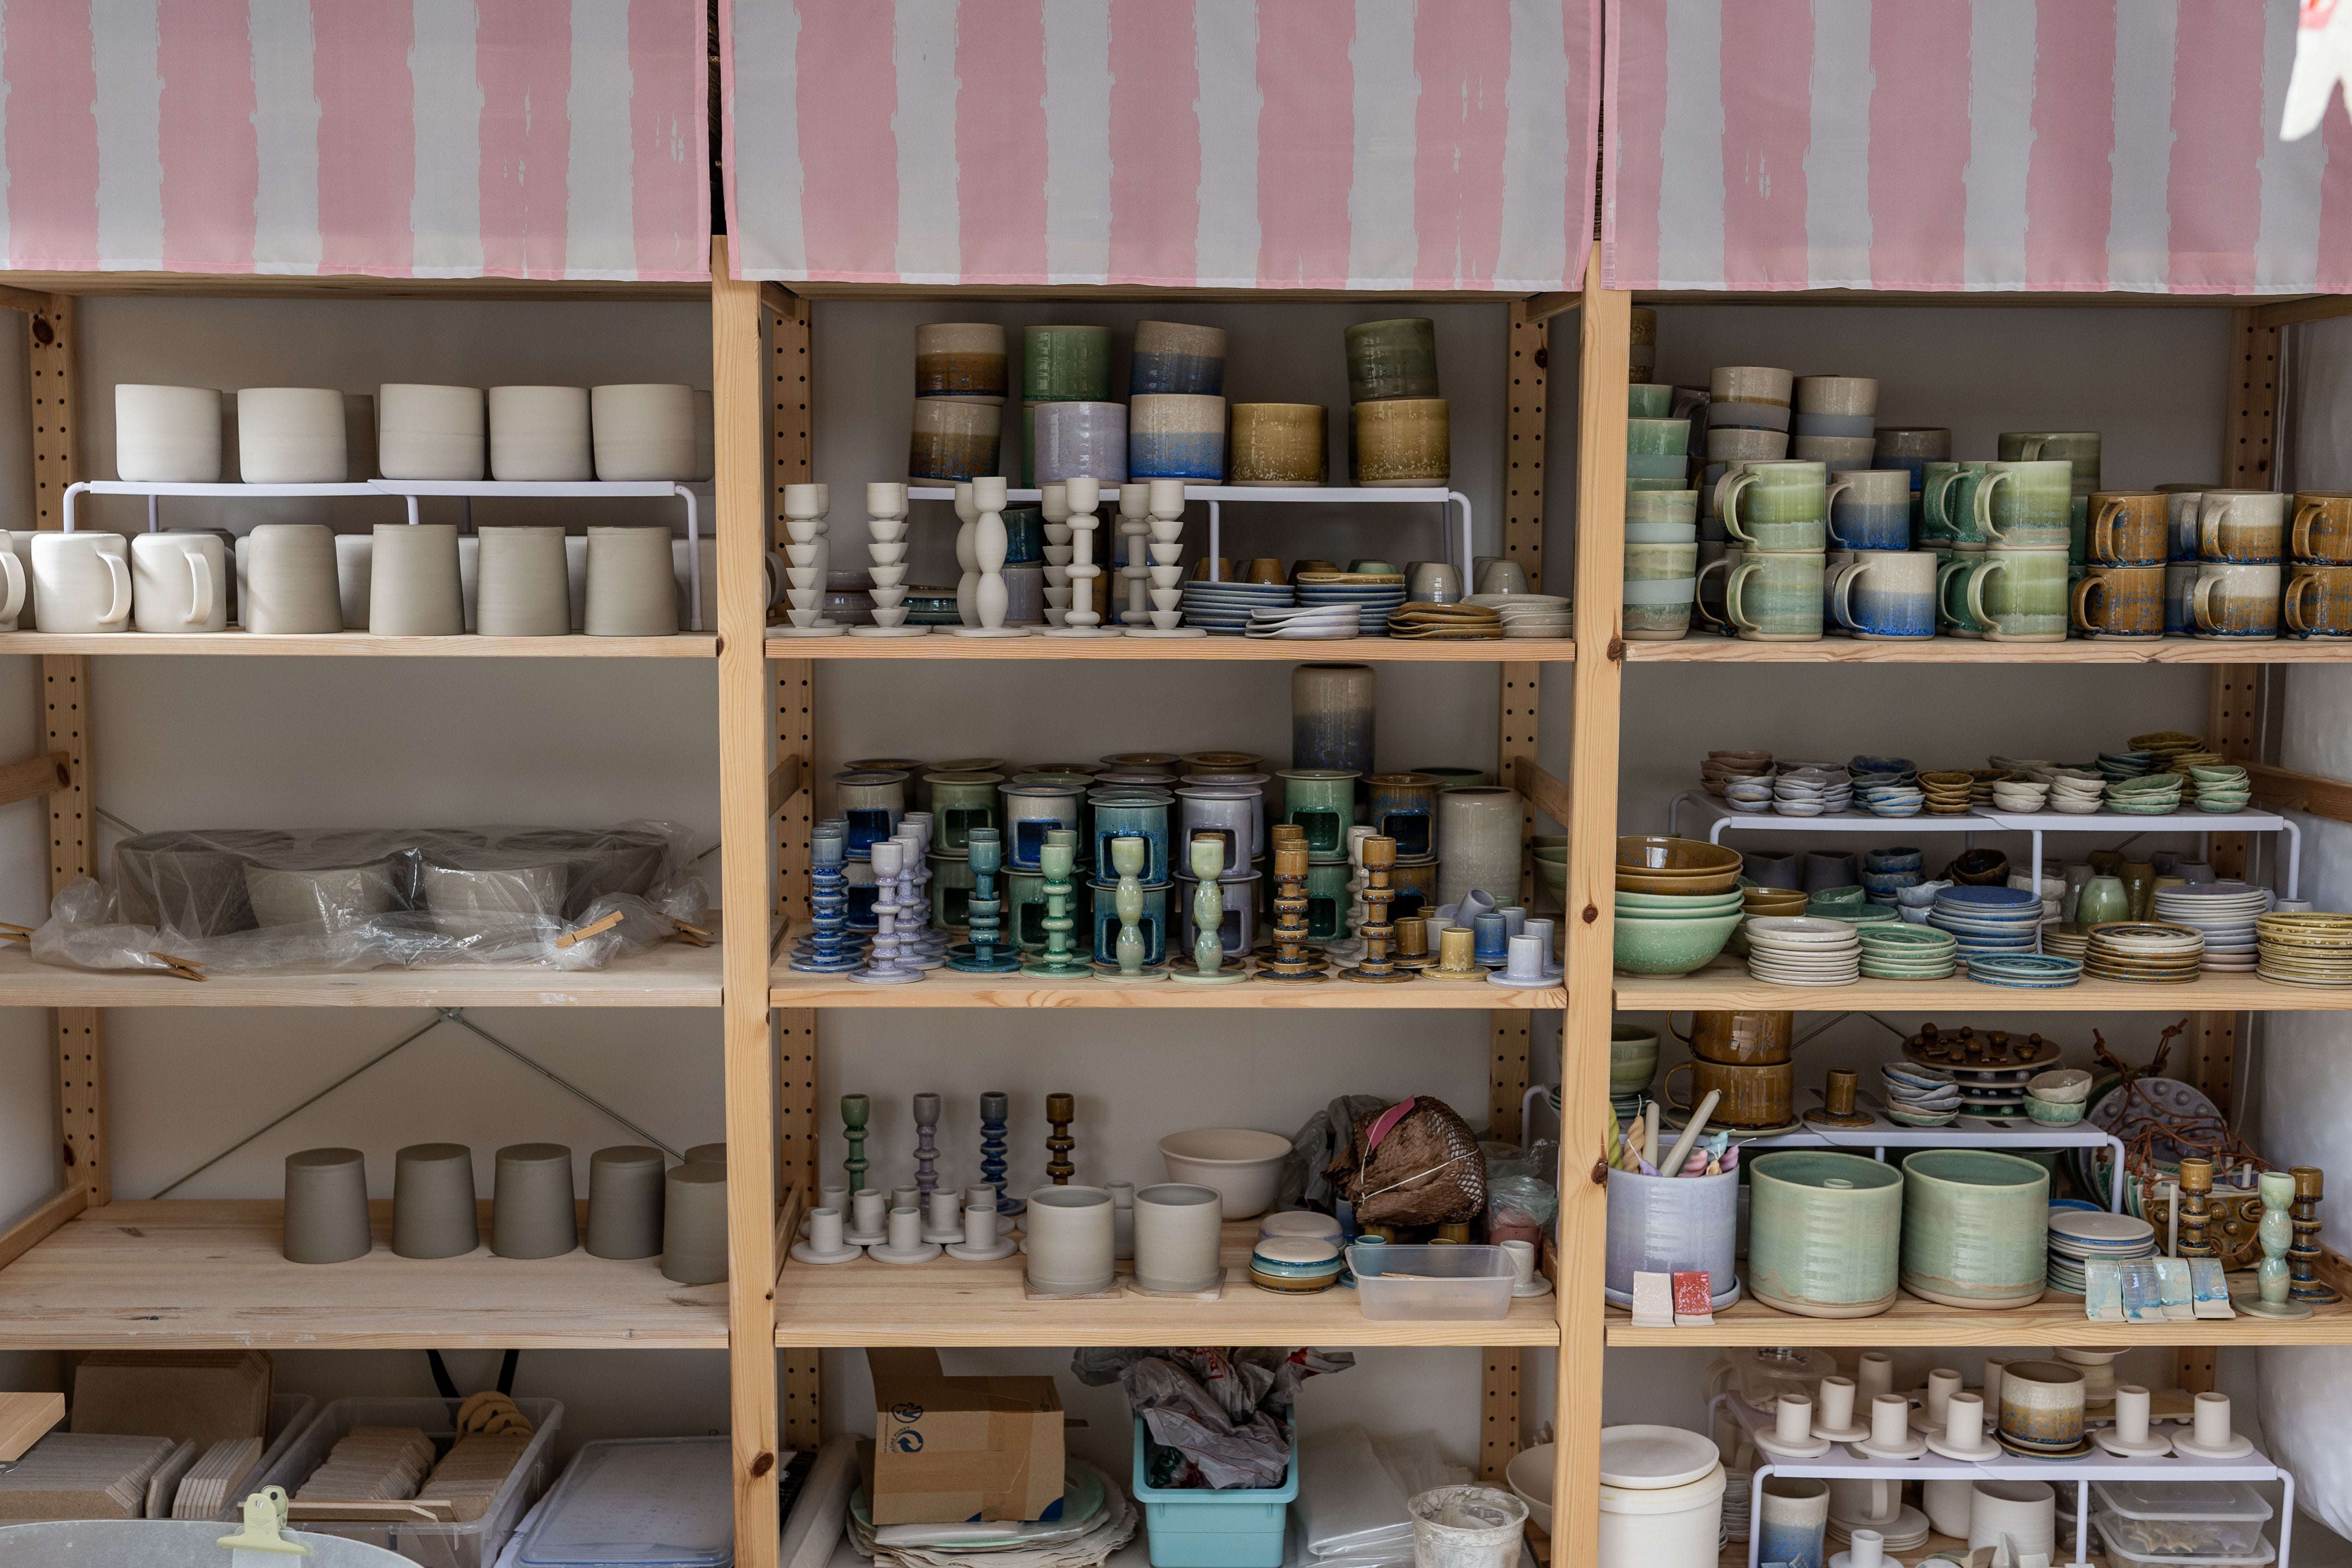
x,y
1824,1233
1976,1228
1331,716
1479,828
1031,810
1403,807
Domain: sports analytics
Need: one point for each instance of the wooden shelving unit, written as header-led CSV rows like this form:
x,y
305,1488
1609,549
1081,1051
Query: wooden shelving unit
x,y
359,645
671,975
2056,1318
944,988
1206,650
1727,984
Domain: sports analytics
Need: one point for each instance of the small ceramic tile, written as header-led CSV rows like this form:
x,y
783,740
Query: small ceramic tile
x,y
2172,1280
1694,1296
2209,1289
1654,1301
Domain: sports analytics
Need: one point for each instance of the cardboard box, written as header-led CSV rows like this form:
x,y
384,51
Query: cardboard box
x,y
949,1449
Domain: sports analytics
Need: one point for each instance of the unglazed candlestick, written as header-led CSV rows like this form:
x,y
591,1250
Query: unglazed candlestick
x,y
988,547
807,555
1056,858
1165,499
2272,1280
1350,948
1053,505
882,966
1061,1110
1292,963
855,1110
1134,527
826,949
2302,1258
886,529
2196,1184
1127,857
1207,860
967,511
927,1125
986,952
995,1105
1378,967
1084,495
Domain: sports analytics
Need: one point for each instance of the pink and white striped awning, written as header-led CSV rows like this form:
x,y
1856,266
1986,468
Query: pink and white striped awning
x,y
1966,144
1397,144
549,139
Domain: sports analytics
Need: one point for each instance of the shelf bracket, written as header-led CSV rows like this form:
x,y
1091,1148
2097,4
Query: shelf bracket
x,y
783,783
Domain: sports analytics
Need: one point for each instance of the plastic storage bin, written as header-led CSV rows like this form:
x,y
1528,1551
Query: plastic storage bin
x,y
1193,1527
288,1415
1449,1284
472,1544
2117,1557
2204,1520
642,1502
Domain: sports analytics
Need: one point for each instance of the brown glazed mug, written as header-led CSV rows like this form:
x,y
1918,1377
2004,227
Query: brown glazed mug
x,y
1751,1096
1740,1039
2321,531
2129,528
2121,601
2318,601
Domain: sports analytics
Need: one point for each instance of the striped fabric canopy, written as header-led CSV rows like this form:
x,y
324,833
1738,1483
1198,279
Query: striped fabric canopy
x,y
1402,144
551,139
1966,144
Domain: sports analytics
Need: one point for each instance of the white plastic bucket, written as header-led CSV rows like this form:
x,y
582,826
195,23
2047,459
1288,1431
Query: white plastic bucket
x,y
1662,1527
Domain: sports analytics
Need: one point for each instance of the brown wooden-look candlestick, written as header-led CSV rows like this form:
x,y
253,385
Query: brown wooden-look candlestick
x,y
1378,967
1836,1108
2304,1284
2196,1184
1061,1110
1413,944
1292,962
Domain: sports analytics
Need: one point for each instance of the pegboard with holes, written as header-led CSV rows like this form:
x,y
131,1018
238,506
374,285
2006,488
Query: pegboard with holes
x,y
1523,442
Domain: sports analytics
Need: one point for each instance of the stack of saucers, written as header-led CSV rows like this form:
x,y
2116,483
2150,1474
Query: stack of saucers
x,y
1981,781
2034,768
1883,771
1890,800
1985,921
2149,795
2079,1235
1919,1096
2221,787
1293,1265
1224,609
2070,940
1529,614
2166,747
1371,594
2143,952
2022,797
2305,949
1721,767
1755,793
1443,623
1811,791
1803,951
2115,765
1948,793
1894,951
2225,912
2024,972
2076,791
1305,625
1758,900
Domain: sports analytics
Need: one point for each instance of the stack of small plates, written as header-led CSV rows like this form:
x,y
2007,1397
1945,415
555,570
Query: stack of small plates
x,y
2076,791
2221,787
1986,921
1306,625
2151,795
2225,912
1721,767
1750,794
1371,594
2025,797
2025,972
1890,800
2071,940
1224,609
1907,1534
2079,1235
1295,1265
2312,949
1531,615
2143,952
2115,765
1883,770
1894,951
1803,951
1981,781
1811,791
1948,793
1920,1096
1444,622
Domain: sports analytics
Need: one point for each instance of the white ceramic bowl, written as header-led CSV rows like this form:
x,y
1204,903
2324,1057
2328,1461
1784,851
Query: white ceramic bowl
x,y
1242,1164
1529,1476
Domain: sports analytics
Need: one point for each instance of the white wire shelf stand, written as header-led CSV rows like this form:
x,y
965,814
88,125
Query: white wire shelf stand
x,y
413,490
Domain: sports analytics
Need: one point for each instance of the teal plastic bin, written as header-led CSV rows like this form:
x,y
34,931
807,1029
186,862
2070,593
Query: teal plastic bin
x,y
1199,1528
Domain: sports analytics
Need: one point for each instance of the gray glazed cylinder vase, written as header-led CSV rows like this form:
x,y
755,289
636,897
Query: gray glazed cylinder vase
x,y
433,1213
532,1213
326,1207
1479,830
694,1224
1332,708
625,1200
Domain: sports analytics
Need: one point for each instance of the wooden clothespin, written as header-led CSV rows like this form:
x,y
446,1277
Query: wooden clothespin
x,y
11,933
594,928
696,934
186,968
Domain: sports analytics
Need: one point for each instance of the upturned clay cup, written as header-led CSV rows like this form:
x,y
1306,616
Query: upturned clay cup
x,y
326,1207
532,1212
626,1185
433,1213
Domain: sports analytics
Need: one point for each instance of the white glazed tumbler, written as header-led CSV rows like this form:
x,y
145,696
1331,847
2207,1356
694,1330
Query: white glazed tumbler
x,y
1072,1248
81,581
167,434
291,435
1178,1228
178,583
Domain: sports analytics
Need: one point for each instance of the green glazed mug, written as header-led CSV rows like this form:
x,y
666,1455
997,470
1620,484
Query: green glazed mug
x,y
2023,505
1666,436
1661,506
1952,616
1947,503
2079,449
1776,597
2020,595
1777,507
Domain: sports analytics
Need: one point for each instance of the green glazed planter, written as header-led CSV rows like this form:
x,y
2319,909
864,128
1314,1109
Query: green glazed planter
x,y
1322,800
1392,359
1976,1228
1066,364
1824,1233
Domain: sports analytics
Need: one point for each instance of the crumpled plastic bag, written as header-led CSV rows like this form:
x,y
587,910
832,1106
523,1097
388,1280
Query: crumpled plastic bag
x,y
1226,1411
1315,1144
1519,1209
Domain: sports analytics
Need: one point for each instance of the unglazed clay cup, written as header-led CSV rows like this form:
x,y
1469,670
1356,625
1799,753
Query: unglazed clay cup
x,y
326,1207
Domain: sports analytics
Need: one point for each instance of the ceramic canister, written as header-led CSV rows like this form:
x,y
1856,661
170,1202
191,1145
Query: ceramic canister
x,y
1974,1227
1072,1246
1176,435
1064,364
541,432
1276,445
1331,716
1792,1519
1746,1096
1479,829
1177,357
1392,360
1661,1502
953,439
960,358
1670,1224
1402,442
424,432
1824,1233
1177,1230
2042,1404
1079,440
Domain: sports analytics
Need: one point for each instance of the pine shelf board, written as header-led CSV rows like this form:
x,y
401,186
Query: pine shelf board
x,y
948,1303
360,644
1713,650
1272,650
1727,984
209,1274
947,988
674,975
2055,1320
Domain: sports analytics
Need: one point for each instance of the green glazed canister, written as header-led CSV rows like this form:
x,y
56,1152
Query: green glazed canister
x,y
1392,360
961,801
1976,1228
1824,1233
1066,364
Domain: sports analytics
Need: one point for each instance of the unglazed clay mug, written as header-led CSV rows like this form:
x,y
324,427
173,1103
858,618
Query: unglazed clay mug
x,y
1777,507
290,585
167,434
1886,594
1870,509
2129,528
2230,599
1775,598
2023,505
2120,601
2020,595
413,584
81,581
178,583
2246,527
2321,532
2318,601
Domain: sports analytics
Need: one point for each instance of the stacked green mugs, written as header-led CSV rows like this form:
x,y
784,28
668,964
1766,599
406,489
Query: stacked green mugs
x,y
1660,518
2079,450
959,389
2015,588
2318,600
1778,515
1398,429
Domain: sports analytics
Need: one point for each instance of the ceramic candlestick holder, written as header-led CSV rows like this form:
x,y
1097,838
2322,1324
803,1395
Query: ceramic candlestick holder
x,y
1456,956
433,1213
2272,1280
694,1224
1134,527
1791,1436
2129,1437
626,1185
1834,1415
988,547
326,1207
1061,1110
1349,948
1891,1437
856,1110
1523,965
1874,1375
2209,1436
2196,1191
532,1213
989,950
886,529
1293,962
1061,960
1412,945
905,1244
869,1213
927,1126
1053,506
1935,1394
967,511
980,1241
919,942
1963,1436
808,556
2302,1258
995,1108
1837,1107
1378,967
828,948
1165,502
883,965
826,1243
1208,966
1128,858
1083,621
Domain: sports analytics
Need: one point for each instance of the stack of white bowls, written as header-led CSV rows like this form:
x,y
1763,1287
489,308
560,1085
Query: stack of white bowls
x,y
1803,950
1811,791
2078,791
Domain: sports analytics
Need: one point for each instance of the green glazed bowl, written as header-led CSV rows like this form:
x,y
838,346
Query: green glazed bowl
x,y
1679,904
1669,946
2052,1115
1632,1060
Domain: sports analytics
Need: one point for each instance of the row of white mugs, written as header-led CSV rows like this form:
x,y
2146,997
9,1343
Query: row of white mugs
x,y
300,436
406,580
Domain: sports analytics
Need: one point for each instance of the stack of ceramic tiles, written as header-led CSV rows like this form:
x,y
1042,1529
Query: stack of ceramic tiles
x,y
372,1464
204,1490
76,1475
213,1406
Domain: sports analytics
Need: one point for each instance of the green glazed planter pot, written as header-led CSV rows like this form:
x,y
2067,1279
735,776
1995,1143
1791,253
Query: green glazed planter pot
x,y
1066,364
1824,1233
1392,359
1976,1228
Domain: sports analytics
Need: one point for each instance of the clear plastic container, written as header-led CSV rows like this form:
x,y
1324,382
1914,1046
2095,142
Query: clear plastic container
x,y
2205,1520
2118,1556
1432,1284
643,1502
471,1544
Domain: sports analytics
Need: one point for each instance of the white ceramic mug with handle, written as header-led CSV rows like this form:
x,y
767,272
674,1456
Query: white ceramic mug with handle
x,y
81,581
16,587
179,582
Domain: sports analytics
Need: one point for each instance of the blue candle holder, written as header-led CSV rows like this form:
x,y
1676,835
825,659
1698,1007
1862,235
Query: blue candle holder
x,y
828,948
